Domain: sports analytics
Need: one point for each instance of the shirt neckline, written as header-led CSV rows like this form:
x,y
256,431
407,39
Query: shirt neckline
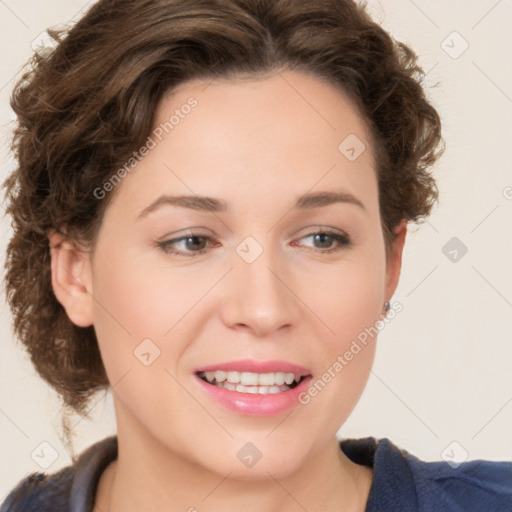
x,y
392,486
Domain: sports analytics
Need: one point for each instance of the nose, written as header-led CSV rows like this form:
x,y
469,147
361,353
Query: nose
x,y
259,296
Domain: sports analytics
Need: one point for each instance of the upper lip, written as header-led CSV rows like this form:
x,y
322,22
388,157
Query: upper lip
x,y
250,365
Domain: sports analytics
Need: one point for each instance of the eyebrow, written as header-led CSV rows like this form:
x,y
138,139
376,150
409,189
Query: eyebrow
x,y
211,204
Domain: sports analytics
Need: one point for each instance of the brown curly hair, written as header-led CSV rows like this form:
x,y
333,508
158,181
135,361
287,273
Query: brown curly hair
x,y
85,106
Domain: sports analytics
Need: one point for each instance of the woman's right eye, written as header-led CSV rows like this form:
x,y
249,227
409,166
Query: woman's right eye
x,y
191,245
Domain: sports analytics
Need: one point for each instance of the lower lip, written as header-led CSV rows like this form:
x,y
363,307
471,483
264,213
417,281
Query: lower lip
x,y
256,404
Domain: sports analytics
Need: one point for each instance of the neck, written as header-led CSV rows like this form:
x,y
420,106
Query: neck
x,y
149,476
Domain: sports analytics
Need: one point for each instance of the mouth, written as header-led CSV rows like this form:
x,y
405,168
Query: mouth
x,y
253,383
254,388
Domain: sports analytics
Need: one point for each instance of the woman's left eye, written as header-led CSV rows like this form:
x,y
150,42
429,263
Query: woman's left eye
x,y
326,239
194,245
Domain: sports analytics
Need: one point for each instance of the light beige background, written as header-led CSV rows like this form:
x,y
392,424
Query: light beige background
x,y
442,370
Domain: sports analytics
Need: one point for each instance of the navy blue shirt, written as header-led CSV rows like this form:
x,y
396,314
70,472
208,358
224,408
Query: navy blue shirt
x,y
401,482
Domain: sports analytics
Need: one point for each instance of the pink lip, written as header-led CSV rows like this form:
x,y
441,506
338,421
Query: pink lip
x,y
249,365
255,404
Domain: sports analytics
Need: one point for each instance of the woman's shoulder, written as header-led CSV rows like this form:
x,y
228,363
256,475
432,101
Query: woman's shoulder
x,y
474,485
40,492
71,488
404,482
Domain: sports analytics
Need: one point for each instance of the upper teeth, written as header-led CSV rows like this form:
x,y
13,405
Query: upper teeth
x,y
252,379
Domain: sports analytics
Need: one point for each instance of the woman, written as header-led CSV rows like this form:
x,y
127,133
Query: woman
x,y
209,211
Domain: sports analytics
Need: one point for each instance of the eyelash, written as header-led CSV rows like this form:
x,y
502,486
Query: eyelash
x,y
343,241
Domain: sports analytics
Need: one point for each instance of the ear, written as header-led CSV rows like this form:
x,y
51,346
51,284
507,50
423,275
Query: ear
x,y
394,263
71,278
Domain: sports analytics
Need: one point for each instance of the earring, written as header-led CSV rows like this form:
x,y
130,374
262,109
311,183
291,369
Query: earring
x,y
387,307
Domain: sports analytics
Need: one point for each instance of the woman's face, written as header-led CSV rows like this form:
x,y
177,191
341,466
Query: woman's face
x,y
272,274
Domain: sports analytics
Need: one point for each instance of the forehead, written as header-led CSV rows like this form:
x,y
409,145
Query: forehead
x,y
257,109
287,132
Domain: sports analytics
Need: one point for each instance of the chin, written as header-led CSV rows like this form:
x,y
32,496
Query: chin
x,y
264,469
259,460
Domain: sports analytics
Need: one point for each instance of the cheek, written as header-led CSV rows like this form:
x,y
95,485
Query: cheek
x,y
350,309
140,298
142,327
134,303
144,298
347,299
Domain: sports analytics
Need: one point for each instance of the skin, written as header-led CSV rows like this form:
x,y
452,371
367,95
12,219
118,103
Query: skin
x,y
257,144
